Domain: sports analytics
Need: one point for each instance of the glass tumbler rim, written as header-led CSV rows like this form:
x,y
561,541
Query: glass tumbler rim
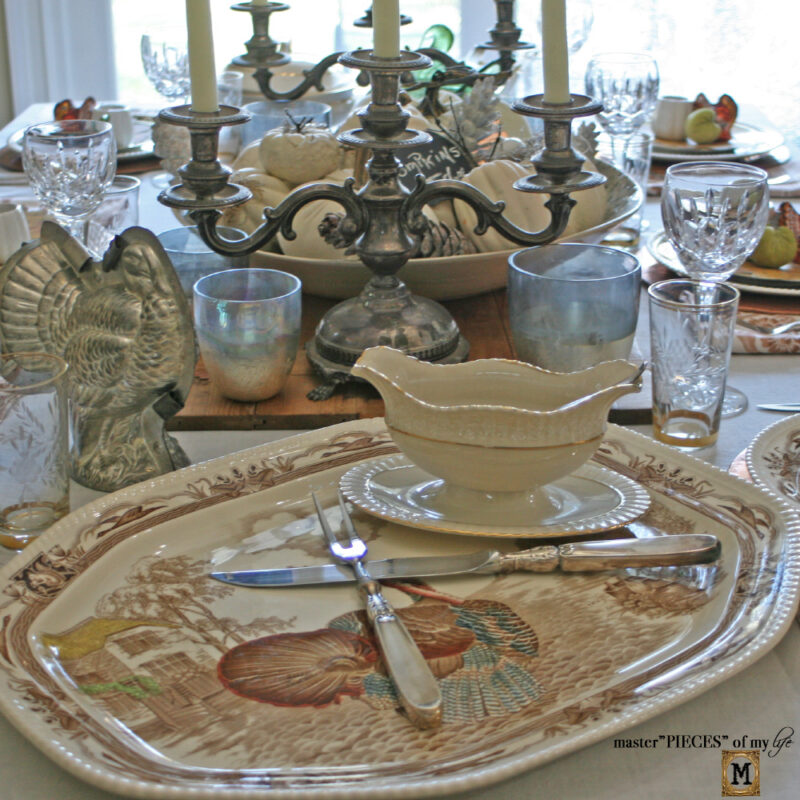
x,y
294,282
702,167
60,129
60,369
129,182
724,288
629,259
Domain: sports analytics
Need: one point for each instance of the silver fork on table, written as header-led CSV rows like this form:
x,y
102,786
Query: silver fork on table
x,y
413,680
776,331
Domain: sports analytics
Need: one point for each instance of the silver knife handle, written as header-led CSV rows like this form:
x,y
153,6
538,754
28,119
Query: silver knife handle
x,y
416,686
537,559
660,551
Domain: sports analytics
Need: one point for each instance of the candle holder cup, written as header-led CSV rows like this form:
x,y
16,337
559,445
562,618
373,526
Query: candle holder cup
x,y
383,220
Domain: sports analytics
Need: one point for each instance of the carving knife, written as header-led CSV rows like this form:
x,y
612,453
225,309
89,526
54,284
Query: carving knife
x,y
678,550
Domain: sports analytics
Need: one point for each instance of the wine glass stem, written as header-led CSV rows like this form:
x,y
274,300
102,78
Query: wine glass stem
x,y
619,145
706,292
76,227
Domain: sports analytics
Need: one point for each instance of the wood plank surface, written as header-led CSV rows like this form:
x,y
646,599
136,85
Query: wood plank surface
x,y
483,321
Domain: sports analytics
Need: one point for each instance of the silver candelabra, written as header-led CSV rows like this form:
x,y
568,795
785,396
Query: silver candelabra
x,y
383,220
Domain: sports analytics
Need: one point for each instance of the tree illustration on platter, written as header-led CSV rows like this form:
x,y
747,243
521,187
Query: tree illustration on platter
x,y
179,591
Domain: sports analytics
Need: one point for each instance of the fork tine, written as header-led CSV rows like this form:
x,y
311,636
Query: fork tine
x,y
323,521
348,523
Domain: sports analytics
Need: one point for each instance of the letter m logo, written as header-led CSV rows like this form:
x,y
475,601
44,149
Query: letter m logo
x,y
741,773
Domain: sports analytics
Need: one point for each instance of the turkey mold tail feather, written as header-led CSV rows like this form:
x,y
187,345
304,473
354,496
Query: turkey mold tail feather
x,y
124,325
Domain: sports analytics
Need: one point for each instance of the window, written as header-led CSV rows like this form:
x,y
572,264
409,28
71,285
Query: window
x,y
332,30
714,46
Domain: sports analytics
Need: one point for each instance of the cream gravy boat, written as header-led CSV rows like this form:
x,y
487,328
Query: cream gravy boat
x,y
495,425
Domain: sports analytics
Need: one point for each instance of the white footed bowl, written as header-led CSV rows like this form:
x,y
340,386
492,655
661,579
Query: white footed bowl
x,y
447,277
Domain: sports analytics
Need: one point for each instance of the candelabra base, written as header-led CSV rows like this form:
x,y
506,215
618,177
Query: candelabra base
x,y
385,313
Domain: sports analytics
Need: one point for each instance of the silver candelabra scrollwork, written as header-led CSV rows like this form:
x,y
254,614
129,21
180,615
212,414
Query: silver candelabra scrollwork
x,y
383,219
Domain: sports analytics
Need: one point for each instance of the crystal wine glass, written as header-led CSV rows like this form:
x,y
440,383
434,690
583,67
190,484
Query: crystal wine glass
x,y
714,214
167,68
70,164
627,86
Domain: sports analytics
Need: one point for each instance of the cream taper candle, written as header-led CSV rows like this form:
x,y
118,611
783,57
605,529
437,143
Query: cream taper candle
x,y
554,51
386,28
202,72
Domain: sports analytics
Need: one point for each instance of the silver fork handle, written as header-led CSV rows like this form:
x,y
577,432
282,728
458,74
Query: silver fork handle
x,y
775,331
413,680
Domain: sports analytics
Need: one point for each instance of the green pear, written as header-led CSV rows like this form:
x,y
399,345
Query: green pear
x,y
776,248
702,126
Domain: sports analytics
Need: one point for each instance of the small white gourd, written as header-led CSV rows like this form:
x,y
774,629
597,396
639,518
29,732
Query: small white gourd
x,y
268,191
249,157
525,209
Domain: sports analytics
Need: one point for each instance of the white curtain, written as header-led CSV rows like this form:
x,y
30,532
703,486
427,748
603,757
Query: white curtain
x,y
59,49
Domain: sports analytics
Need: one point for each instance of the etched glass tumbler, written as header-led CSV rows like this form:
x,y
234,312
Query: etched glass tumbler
x,y
70,164
34,458
714,215
691,333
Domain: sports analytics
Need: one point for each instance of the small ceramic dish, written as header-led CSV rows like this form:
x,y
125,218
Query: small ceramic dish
x,y
495,425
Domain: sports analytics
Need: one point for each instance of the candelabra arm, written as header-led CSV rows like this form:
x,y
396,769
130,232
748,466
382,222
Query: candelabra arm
x,y
313,78
439,55
280,218
489,213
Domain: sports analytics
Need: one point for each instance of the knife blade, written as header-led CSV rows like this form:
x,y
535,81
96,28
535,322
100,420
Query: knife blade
x,y
780,407
677,550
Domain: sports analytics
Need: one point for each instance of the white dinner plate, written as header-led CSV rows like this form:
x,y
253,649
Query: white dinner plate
x,y
747,141
749,278
590,500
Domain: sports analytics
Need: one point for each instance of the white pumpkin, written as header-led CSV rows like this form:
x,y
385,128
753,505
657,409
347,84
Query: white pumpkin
x,y
267,191
249,157
299,154
525,209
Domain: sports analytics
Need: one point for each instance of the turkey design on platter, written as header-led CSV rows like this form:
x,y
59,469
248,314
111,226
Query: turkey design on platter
x,y
481,651
124,327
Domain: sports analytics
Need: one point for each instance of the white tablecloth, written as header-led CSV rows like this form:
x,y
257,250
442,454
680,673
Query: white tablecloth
x,y
758,702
